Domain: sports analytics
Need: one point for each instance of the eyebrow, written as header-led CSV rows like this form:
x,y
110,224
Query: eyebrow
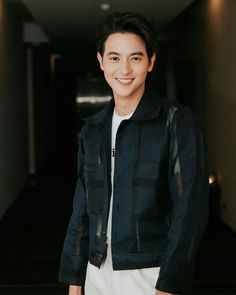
x,y
140,53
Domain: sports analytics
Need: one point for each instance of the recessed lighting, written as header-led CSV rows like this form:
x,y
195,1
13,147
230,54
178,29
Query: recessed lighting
x,y
105,6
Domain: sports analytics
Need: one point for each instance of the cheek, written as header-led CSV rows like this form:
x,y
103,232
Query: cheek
x,y
142,73
108,78
107,75
142,70
109,72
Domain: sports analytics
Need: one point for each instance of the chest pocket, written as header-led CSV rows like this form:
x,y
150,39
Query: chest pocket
x,y
150,188
94,182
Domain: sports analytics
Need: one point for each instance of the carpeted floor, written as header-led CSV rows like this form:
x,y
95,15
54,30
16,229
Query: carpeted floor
x,y
32,233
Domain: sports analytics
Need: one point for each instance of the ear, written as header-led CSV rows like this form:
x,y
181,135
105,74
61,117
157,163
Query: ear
x,y
99,57
151,62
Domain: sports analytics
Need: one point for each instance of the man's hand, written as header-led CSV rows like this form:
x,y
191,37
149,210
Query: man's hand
x,y
163,293
75,290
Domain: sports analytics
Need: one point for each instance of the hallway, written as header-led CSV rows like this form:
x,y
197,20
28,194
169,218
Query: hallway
x,y
44,68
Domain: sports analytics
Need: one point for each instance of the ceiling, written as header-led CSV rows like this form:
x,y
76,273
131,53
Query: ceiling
x,y
75,21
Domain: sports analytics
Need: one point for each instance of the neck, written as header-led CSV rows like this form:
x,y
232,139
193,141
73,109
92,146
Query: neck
x,y
126,105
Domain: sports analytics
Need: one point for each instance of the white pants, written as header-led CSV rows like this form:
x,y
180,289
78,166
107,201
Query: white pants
x,y
106,281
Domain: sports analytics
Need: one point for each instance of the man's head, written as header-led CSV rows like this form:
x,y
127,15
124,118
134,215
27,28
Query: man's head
x,y
126,54
127,22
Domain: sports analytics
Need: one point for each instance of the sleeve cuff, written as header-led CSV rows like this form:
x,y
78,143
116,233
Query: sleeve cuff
x,y
175,278
72,269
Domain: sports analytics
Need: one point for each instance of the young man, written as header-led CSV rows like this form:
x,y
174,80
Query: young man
x,y
140,205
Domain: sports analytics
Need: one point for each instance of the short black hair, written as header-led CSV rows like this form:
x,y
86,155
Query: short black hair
x,y
127,22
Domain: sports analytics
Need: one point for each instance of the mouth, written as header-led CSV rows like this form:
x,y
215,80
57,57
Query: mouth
x,y
125,81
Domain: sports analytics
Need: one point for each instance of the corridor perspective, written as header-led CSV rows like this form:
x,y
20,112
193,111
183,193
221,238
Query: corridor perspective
x,y
50,80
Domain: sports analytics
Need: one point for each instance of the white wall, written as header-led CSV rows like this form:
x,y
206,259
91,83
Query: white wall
x,y
13,109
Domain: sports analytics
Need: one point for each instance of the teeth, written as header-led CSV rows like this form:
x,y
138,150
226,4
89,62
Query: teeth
x,y
125,80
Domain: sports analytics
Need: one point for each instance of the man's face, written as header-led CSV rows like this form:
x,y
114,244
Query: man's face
x,y
125,65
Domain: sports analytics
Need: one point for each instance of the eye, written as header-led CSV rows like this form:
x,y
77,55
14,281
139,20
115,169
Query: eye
x,y
136,58
113,58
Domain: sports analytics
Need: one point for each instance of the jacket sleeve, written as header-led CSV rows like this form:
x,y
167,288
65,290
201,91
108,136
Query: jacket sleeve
x,y
188,185
74,256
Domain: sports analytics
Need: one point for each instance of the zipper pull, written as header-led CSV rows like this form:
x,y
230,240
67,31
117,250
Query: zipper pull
x,y
113,152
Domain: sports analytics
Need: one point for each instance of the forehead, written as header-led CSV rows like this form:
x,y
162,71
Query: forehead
x,y
124,43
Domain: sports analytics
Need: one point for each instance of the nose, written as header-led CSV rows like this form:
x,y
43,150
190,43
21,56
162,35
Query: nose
x,y
125,67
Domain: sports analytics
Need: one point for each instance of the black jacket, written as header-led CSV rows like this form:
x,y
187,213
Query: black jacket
x,y
160,198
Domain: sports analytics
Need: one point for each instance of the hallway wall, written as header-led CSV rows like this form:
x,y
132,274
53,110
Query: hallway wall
x,y
13,108
221,99
205,35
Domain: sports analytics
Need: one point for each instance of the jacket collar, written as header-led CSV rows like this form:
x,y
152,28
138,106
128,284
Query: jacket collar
x,y
148,108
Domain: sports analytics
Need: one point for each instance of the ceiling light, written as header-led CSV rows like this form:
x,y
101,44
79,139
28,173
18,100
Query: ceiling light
x,y
105,6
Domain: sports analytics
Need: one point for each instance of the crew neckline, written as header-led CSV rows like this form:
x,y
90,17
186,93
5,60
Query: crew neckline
x,y
122,117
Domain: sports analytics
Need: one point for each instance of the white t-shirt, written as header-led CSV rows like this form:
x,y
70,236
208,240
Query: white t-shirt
x,y
106,281
116,120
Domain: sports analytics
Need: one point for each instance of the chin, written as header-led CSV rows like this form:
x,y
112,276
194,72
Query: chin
x,y
124,91
123,94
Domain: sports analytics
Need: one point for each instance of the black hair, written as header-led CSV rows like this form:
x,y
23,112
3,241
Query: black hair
x,y
127,22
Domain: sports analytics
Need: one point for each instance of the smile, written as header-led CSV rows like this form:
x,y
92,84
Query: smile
x,y
125,81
